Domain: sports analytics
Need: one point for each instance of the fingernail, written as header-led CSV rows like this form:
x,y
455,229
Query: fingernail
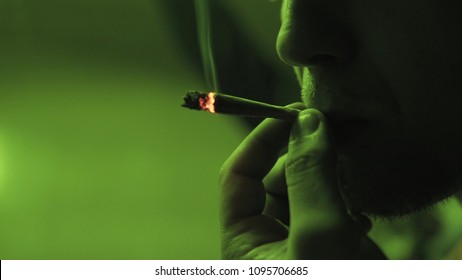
x,y
308,122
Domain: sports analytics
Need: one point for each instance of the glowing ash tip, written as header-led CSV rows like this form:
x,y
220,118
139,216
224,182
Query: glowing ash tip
x,y
200,101
208,103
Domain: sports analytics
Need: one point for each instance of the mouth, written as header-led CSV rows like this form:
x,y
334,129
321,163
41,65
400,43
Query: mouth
x,y
350,131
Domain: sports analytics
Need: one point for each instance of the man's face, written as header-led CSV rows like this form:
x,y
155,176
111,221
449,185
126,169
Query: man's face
x,y
387,74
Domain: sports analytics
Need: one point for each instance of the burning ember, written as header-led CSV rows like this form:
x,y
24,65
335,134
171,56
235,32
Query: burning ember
x,y
208,103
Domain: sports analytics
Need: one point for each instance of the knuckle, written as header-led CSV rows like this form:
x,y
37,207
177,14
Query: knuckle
x,y
223,175
307,160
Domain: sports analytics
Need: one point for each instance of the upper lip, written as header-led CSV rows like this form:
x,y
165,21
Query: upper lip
x,y
337,118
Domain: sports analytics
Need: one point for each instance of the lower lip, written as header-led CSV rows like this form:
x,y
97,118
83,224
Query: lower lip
x,y
353,134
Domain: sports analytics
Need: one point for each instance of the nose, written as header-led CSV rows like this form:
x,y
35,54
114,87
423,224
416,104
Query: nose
x,y
314,33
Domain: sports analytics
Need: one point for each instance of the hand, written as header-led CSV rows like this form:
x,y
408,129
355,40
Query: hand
x,y
288,207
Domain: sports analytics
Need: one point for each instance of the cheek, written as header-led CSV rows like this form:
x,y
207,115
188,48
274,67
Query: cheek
x,y
430,110
430,100
425,81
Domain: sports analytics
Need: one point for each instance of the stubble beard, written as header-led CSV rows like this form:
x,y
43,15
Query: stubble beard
x,y
395,183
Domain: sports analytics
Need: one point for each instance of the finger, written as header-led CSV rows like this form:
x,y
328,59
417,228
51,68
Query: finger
x,y
320,225
277,204
275,181
242,190
311,168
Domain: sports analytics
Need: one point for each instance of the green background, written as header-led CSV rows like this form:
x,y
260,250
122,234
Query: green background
x,y
97,158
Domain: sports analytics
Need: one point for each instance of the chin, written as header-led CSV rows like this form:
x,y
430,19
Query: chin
x,y
392,185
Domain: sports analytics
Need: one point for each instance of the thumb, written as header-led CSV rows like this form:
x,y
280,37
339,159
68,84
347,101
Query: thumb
x,y
311,175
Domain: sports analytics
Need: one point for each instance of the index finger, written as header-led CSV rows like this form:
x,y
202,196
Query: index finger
x,y
242,190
